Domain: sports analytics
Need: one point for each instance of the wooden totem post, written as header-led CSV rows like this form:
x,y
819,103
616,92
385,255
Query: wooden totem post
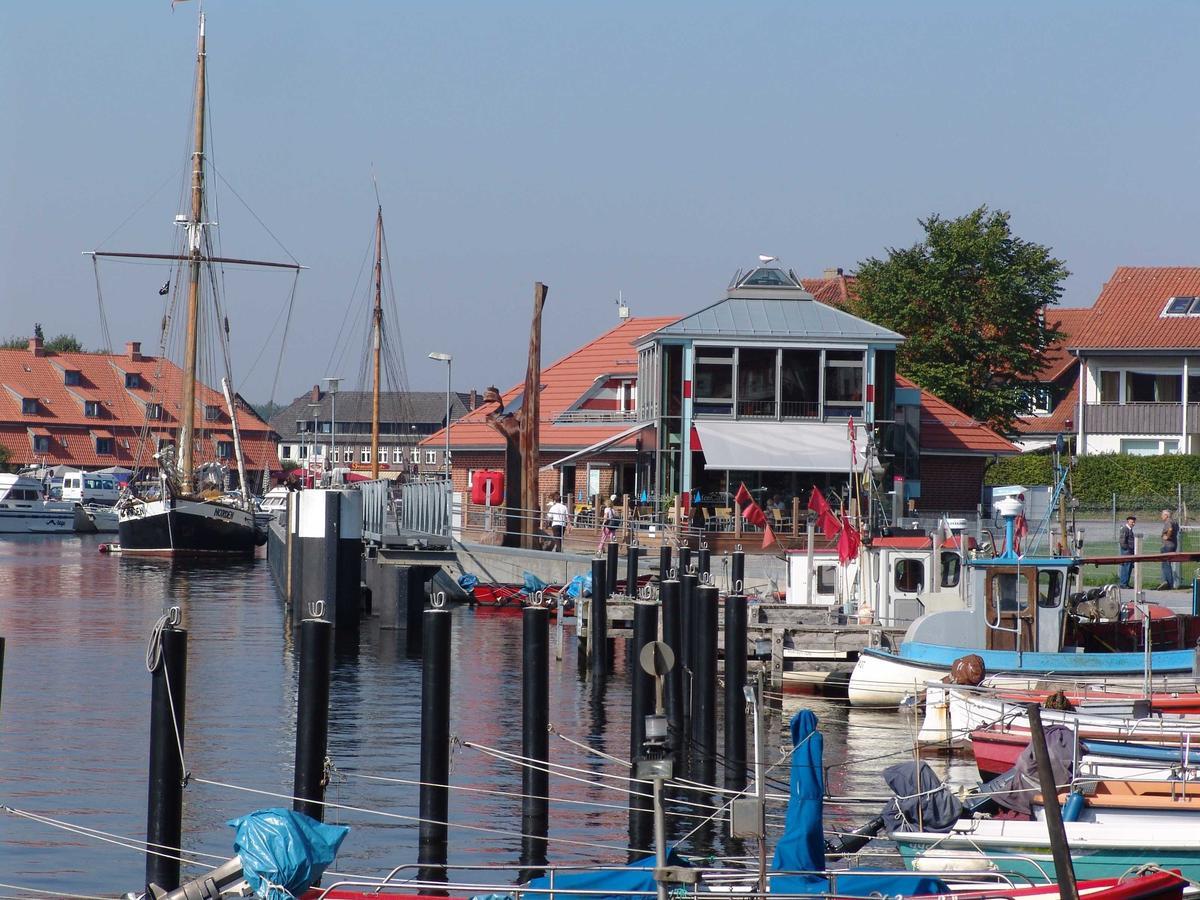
x,y
522,436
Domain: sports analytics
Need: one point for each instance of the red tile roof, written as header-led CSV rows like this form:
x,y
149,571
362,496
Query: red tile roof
x,y
565,382
61,412
1128,313
1071,321
947,430
1056,422
836,290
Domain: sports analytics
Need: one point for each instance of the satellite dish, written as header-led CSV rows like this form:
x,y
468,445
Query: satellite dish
x,y
657,658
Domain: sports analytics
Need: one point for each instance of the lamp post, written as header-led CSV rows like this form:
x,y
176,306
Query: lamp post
x,y
333,381
448,360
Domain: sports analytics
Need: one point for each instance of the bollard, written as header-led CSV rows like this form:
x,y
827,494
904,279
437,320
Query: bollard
x,y
612,550
737,571
535,738
688,583
704,682
641,801
685,558
664,564
435,745
312,716
703,560
735,700
631,577
164,807
673,636
598,626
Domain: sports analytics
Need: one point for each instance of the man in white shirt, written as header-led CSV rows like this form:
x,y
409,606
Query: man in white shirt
x,y
557,516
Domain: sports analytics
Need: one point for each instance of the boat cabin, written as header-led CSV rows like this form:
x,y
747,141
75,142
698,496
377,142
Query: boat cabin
x,y
19,491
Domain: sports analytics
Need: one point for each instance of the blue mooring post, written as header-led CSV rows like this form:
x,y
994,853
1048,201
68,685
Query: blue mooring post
x,y
312,716
598,621
535,739
164,807
435,746
735,683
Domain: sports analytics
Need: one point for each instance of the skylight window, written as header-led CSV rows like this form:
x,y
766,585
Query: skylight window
x,y
1182,306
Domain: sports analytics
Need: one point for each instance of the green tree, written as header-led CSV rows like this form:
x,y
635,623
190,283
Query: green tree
x,y
970,299
14,343
65,343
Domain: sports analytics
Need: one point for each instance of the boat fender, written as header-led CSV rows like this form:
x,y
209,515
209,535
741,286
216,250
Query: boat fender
x,y
968,670
1073,807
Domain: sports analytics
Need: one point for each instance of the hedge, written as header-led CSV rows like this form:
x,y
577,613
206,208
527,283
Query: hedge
x,y
1096,478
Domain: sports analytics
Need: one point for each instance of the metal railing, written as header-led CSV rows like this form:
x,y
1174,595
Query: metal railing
x,y
426,507
377,508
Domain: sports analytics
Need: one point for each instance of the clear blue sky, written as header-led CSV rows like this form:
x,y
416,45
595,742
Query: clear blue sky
x,y
649,148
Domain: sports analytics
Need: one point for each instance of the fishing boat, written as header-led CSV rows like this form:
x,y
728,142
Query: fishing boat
x,y
23,510
181,515
1021,618
997,746
1139,803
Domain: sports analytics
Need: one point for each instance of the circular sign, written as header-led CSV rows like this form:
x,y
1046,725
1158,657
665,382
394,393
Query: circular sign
x,y
657,658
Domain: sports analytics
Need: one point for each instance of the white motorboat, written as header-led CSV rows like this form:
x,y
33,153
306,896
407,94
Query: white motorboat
x,y
23,510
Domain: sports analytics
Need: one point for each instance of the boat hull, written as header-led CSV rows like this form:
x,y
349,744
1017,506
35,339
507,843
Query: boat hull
x,y
186,528
38,519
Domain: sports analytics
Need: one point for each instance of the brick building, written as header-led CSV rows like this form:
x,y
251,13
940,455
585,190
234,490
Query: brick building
x,y
95,410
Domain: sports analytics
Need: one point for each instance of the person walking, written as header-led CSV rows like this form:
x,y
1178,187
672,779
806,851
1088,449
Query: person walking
x,y
1126,543
609,523
1170,543
557,516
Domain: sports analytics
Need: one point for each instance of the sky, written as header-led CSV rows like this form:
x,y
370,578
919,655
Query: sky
x,y
649,149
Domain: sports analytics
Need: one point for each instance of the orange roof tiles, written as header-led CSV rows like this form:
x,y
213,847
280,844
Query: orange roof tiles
x,y
565,382
946,429
1128,313
61,414
1070,320
1055,422
836,290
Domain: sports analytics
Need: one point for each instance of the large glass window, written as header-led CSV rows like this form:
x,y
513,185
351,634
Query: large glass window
x,y
1152,387
1050,582
800,384
885,385
713,383
843,382
910,575
756,382
951,568
1110,387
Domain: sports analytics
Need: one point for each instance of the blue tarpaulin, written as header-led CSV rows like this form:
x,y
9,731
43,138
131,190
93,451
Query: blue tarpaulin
x,y
580,584
637,876
284,852
802,846
532,583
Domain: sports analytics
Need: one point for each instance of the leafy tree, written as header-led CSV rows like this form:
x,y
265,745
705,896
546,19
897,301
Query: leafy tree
x,y
65,343
16,342
970,299
3,455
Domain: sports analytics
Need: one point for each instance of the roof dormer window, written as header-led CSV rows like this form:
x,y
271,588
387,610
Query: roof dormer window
x,y
133,380
212,413
71,377
29,406
154,411
91,409
1182,306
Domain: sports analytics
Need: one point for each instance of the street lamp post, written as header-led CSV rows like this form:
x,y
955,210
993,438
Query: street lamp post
x,y
449,361
333,381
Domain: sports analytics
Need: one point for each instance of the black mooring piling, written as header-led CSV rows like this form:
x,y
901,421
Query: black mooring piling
x,y
312,718
435,745
612,552
631,572
704,696
737,571
164,808
598,621
735,698
704,561
664,562
685,558
645,631
535,738
688,582
673,686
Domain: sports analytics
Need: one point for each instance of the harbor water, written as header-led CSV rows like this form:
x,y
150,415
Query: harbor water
x,y
75,710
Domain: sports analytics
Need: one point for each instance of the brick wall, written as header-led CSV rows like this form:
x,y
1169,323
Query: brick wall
x,y
951,483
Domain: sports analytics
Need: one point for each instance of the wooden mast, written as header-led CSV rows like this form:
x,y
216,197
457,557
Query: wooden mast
x,y
378,329
530,431
195,241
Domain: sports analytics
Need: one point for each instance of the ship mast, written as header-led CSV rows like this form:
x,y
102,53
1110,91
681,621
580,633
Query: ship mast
x,y
378,335
194,252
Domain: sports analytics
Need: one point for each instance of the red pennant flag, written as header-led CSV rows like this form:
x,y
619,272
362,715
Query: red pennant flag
x,y
1020,529
750,510
848,541
826,520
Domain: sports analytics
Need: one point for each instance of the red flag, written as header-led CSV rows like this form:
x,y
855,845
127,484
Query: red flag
x,y
1020,529
826,520
848,541
750,510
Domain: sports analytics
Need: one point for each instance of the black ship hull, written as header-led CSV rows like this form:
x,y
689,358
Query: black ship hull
x,y
186,528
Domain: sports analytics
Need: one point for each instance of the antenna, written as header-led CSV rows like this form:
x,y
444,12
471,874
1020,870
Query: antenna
x,y
622,309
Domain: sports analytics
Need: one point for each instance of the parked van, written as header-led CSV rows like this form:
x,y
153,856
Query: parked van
x,y
90,489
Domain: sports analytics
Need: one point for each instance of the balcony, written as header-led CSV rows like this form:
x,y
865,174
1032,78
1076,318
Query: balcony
x,y
594,416
1138,418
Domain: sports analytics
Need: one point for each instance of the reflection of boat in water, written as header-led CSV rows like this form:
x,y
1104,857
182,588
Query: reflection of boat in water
x,y
24,511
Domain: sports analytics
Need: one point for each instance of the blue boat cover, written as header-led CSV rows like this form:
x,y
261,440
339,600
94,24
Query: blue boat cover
x,y
532,583
468,582
580,584
802,847
284,852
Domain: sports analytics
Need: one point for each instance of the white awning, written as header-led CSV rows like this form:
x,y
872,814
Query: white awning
x,y
600,446
779,446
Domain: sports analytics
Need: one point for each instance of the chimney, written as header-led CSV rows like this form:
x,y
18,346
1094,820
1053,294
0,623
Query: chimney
x,y
832,273
472,399
133,349
35,346
315,395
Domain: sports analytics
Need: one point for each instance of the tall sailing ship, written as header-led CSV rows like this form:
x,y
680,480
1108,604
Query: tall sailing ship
x,y
179,516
